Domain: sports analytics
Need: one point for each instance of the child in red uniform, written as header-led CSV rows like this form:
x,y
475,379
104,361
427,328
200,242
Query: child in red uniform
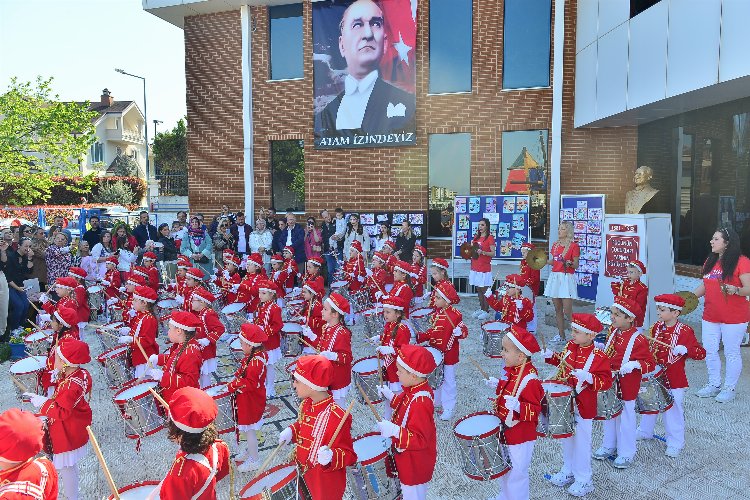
x,y
193,278
395,335
148,260
81,296
290,268
141,329
322,464
312,270
412,430
279,276
390,260
518,405
354,270
633,288
376,277
312,314
64,289
247,291
438,273
22,475
402,286
68,412
629,355
229,277
269,319
208,333
683,345
514,309
203,460
182,361
63,323
131,283
249,388
183,264
447,329
335,343
533,280
586,368
111,281
420,270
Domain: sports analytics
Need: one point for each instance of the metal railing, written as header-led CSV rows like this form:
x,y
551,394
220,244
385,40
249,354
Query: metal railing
x,y
173,184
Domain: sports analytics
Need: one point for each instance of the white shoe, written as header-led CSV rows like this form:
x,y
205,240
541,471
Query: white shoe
x,y
709,391
603,453
725,396
561,479
579,489
643,436
249,465
622,462
483,315
672,452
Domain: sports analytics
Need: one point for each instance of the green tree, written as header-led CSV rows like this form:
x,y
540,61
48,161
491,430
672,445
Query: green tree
x,y
170,158
124,166
288,159
40,138
115,192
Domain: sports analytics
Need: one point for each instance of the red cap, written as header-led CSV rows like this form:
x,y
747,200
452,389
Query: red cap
x,y
67,316
73,352
66,282
394,302
183,262
184,320
338,302
227,252
446,290
233,259
316,372
256,259
136,279
192,410
416,359
196,273
21,435
112,259
149,255
422,250
203,294
441,263
356,245
638,265
525,341
670,300
402,266
140,271
626,305
145,293
268,286
277,258
77,272
528,245
317,261
390,244
289,249
586,323
515,280
252,334
380,256
315,286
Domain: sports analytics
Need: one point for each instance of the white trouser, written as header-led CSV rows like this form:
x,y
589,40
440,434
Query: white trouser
x,y
69,477
619,432
577,451
515,484
82,326
531,325
139,370
446,393
270,380
415,492
674,421
731,336
250,449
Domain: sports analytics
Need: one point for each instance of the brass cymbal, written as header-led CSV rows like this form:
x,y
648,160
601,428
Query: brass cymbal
x,y
467,251
537,258
691,301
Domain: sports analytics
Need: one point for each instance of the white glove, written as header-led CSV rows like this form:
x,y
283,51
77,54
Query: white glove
x,y
65,249
122,289
368,272
307,332
155,374
512,403
386,392
583,376
548,353
106,282
385,349
325,455
53,374
679,350
361,279
226,274
180,299
629,367
125,339
45,318
488,293
36,399
112,301
125,330
492,382
235,288
285,436
388,429
43,298
203,342
216,270
329,355
154,360
519,303
457,332
599,345
375,338
378,294
132,313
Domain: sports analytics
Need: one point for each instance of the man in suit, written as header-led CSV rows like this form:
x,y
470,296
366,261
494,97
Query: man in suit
x,y
368,104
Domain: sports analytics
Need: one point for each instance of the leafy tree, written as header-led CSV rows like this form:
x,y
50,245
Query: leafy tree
x,y
125,166
288,158
170,158
115,192
40,138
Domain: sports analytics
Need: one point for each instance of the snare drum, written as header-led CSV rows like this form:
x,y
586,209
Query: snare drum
x,y
277,483
653,395
232,317
137,491
39,342
291,347
492,338
374,321
608,403
165,307
235,349
421,319
294,308
28,371
96,300
107,336
225,420
483,455
361,300
372,477
116,366
342,287
435,379
139,410
365,374
604,315
557,419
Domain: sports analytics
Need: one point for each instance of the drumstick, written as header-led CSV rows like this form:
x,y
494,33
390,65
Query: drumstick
x,y
140,348
518,379
34,324
308,344
341,424
232,496
380,370
484,373
268,460
159,398
540,336
34,305
652,339
103,463
20,385
369,404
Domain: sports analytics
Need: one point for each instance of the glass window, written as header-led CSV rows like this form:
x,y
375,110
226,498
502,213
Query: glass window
x,y
449,175
288,176
638,6
525,170
450,46
285,25
526,43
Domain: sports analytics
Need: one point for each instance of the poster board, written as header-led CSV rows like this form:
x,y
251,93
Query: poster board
x,y
371,223
509,222
586,212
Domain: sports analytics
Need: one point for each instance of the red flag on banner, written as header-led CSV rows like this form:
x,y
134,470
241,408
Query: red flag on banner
x,y
399,61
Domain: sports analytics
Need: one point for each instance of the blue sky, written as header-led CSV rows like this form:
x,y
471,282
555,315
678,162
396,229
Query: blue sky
x,y
80,42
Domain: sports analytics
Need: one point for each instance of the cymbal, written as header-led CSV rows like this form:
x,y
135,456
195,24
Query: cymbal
x,y
691,301
467,251
536,258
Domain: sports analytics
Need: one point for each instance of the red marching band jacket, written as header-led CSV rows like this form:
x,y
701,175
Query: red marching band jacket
x,y
624,346
182,366
82,299
420,281
338,339
68,412
195,475
679,334
402,290
394,335
153,278
291,270
49,364
532,277
187,294
441,337
248,291
70,302
249,388
113,289
269,318
635,291
226,286
522,427
314,319
375,282
143,329
32,480
355,270
509,310
211,328
280,278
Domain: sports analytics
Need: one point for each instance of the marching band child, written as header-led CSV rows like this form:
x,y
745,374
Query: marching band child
x,y
290,268
22,473
141,330
247,291
322,463
312,270
420,270
182,361
81,296
376,277
514,309
402,286
518,404
633,288
183,264
412,431
533,280
230,276
673,343
203,459
629,355
63,323
143,273
193,279
390,261
355,275
111,281
448,328
438,273
207,333
269,319
586,368
149,258
395,335
249,388
312,313
278,276
64,287
335,343
131,283
68,412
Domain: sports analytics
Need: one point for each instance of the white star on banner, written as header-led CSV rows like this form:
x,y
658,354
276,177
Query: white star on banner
x,y
402,49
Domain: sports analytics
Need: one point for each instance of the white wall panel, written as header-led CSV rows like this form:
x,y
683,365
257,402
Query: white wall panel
x,y
613,13
612,72
647,79
734,57
586,27
585,98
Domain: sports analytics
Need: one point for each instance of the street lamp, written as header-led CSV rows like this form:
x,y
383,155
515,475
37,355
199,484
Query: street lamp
x,y
145,121
156,122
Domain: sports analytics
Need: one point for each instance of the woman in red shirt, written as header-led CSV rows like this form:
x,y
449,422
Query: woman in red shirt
x,y
561,284
481,267
726,286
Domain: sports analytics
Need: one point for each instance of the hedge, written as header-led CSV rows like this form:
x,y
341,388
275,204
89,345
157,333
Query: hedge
x,y
63,195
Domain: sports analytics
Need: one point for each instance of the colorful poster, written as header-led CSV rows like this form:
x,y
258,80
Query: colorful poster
x,y
586,212
509,222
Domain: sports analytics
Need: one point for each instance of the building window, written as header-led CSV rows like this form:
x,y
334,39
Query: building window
x,y
285,26
638,6
526,43
525,170
97,152
288,176
450,46
449,175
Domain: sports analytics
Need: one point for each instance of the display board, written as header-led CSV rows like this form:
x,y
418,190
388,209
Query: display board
x,y
509,222
586,212
371,223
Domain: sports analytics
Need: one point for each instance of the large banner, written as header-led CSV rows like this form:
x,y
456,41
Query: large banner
x,y
364,73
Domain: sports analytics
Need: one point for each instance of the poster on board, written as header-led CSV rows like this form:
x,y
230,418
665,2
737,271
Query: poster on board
x,y
509,222
586,212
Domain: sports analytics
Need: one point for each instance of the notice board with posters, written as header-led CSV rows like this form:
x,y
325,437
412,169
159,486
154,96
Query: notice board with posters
x,y
586,212
371,222
509,222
